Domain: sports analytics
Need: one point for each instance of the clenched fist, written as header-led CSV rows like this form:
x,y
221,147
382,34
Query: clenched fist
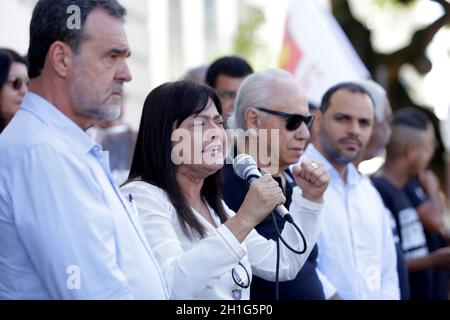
x,y
313,179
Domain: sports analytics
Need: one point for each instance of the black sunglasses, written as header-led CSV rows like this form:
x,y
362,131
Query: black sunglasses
x,y
17,83
294,121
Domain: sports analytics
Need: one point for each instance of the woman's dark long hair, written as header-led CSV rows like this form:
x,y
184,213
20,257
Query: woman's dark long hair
x,y
165,108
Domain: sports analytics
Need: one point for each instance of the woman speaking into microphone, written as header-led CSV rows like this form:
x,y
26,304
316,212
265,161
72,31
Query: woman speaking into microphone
x,y
205,250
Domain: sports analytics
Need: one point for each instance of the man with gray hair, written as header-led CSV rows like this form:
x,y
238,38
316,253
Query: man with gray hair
x,y
65,230
271,102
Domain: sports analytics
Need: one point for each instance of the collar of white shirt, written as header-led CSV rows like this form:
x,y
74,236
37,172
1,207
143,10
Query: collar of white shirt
x,y
52,116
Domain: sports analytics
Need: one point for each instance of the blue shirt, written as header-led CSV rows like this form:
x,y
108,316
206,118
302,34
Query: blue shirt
x,y
356,247
66,232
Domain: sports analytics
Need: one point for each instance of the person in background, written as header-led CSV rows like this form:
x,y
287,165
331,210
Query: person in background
x,y
356,247
409,151
197,74
206,250
13,84
225,75
314,110
272,100
381,132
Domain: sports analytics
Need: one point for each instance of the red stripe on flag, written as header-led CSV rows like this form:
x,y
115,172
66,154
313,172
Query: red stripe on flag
x,y
291,53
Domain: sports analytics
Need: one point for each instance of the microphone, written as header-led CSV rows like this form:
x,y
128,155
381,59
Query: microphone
x,y
246,168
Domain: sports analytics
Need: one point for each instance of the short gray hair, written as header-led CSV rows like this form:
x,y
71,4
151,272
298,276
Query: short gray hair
x,y
49,24
255,91
379,97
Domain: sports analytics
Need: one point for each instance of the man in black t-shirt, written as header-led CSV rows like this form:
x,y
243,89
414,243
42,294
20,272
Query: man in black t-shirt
x,y
425,197
410,232
408,154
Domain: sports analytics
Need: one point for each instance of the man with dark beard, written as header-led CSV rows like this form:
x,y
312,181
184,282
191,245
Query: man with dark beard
x,y
65,230
356,247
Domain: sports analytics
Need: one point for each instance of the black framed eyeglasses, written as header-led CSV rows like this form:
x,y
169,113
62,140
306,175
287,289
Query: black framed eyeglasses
x,y
240,276
293,120
17,83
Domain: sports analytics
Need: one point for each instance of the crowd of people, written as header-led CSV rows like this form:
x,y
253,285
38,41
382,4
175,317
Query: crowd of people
x,y
90,209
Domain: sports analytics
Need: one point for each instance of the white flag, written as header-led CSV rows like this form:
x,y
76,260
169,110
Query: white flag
x,y
316,50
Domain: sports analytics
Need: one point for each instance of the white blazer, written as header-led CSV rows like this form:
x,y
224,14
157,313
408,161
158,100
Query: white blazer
x,y
202,268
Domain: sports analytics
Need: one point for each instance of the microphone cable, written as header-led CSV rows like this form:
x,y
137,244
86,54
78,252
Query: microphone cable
x,y
287,218
292,222
246,168
278,238
277,270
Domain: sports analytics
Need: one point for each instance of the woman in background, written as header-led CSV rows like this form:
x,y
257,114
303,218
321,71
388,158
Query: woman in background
x,y
13,84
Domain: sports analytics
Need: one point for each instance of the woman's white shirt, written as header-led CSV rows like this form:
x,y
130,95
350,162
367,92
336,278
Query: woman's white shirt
x,y
202,268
